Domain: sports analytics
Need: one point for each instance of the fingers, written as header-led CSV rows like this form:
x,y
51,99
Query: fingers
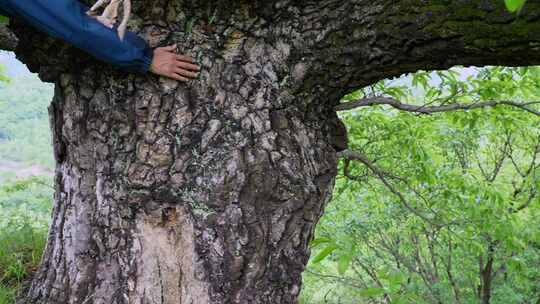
x,y
178,77
185,58
186,73
122,31
187,66
169,64
172,48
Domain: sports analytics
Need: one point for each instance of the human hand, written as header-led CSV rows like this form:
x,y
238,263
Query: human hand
x,y
169,64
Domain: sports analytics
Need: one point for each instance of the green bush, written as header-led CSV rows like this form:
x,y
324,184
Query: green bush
x,y
24,214
21,247
7,295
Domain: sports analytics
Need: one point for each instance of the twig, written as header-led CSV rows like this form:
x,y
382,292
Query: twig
x,y
355,155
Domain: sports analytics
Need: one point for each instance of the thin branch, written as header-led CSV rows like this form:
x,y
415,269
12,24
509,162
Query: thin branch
x,y
536,151
526,204
347,173
500,161
381,100
355,155
347,281
448,265
373,276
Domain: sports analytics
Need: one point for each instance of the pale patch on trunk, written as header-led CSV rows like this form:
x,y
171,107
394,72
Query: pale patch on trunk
x,y
167,262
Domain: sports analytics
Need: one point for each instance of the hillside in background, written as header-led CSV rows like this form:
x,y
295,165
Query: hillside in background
x,y
24,124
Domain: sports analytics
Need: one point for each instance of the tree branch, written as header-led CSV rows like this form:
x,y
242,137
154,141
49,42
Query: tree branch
x,y
427,110
347,281
381,175
449,273
357,43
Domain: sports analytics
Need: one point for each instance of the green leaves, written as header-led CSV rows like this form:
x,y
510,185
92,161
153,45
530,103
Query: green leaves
x,y
390,284
25,206
371,292
321,240
514,5
343,252
324,253
344,262
466,172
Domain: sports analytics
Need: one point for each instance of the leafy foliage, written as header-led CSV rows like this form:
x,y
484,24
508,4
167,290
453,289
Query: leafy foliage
x,y
514,5
440,208
24,214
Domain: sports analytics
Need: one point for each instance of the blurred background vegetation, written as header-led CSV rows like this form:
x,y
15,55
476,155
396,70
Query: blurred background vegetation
x,y
440,208
435,208
25,174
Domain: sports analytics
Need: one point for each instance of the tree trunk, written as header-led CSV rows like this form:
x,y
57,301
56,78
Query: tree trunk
x,y
487,275
208,192
173,193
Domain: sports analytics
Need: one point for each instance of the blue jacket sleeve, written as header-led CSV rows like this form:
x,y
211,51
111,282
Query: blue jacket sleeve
x,y
67,20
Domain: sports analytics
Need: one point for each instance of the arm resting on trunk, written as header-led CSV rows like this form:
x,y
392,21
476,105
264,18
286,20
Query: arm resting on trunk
x,y
67,20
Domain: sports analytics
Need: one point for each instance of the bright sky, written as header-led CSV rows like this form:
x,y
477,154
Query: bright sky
x,y
13,66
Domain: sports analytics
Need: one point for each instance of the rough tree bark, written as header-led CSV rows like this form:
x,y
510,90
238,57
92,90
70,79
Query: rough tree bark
x,y
8,40
208,192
